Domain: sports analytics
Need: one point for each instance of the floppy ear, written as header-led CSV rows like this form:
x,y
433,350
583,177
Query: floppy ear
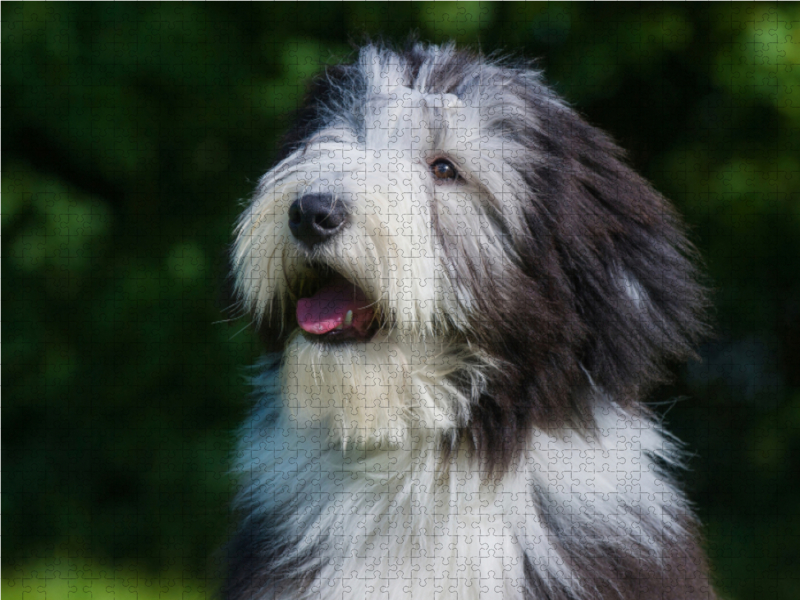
x,y
623,250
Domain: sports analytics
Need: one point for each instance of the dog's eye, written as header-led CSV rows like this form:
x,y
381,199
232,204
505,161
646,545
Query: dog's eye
x,y
443,170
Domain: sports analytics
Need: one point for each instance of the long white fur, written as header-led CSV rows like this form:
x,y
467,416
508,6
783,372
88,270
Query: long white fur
x,y
402,522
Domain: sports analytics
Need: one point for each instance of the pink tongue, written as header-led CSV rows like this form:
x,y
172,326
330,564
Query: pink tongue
x,y
327,309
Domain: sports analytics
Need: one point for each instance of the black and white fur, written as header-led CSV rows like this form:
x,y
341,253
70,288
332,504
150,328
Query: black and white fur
x,y
488,441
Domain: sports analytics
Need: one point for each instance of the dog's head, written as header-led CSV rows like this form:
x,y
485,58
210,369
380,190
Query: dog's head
x,y
446,245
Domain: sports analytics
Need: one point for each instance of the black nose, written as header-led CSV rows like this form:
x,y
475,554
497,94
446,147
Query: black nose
x,y
314,218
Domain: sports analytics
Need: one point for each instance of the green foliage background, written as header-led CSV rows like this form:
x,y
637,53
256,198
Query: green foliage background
x,y
131,133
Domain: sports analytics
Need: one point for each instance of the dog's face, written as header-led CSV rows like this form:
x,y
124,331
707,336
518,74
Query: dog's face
x,y
446,247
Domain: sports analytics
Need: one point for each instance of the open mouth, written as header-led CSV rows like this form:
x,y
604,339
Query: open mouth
x,y
332,309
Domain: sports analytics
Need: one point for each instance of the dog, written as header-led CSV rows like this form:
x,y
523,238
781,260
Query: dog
x,y
465,294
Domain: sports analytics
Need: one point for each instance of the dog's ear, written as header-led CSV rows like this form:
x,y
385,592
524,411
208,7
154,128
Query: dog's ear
x,y
624,254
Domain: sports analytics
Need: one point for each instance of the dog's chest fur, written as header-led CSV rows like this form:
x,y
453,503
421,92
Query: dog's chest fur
x,y
416,521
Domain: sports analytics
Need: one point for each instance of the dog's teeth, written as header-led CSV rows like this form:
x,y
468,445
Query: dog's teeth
x,y
348,318
339,327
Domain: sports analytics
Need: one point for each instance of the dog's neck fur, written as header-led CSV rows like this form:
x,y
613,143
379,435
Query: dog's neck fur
x,y
579,514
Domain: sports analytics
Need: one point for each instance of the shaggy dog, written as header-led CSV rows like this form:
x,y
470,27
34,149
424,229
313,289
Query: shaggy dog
x,y
466,293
